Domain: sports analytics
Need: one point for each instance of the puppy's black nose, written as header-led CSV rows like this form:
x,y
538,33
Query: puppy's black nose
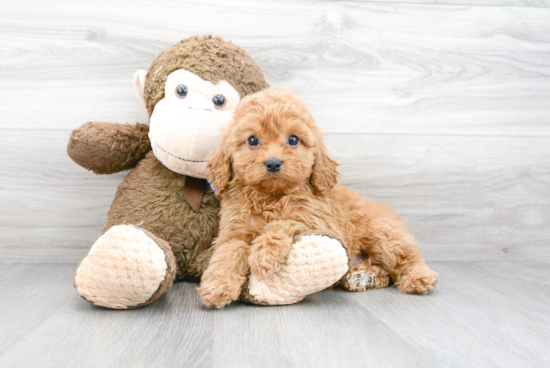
x,y
273,164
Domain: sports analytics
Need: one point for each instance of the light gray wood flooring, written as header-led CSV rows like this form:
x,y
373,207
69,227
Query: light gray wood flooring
x,y
483,314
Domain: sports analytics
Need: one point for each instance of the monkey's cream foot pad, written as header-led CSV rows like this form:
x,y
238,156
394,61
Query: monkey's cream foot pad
x,y
315,263
125,268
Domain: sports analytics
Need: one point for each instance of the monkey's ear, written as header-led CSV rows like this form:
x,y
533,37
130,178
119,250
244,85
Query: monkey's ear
x,y
139,84
220,167
324,175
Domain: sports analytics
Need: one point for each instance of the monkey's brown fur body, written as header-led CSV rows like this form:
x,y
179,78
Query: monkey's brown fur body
x,y
151,195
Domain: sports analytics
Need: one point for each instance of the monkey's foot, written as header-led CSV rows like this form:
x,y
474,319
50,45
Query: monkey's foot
x,y
315,262
127,267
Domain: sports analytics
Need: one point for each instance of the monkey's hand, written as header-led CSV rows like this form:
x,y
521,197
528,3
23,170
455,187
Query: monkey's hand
x,y
106,148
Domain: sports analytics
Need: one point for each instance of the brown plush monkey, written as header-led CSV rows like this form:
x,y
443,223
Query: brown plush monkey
x,y
165,215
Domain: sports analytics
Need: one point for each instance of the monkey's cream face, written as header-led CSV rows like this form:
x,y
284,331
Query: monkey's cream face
x,y
185,125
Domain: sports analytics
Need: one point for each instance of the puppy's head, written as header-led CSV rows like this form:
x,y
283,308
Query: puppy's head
x,y
273,145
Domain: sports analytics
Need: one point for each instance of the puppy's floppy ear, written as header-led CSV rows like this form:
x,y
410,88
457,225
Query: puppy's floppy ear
x,y
220,166
324,174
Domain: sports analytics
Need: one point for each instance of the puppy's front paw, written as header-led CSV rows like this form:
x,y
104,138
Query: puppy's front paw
x,y
268,254
217,292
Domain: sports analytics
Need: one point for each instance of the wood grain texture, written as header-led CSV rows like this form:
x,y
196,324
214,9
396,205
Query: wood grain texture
x,y
29,294
532,3
441,111
360,66
465,198
483,314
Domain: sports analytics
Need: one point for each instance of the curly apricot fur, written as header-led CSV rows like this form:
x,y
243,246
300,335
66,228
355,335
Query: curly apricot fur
x,y
305,191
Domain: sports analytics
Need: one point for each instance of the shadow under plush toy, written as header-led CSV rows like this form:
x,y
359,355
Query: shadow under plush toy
x,y
165,216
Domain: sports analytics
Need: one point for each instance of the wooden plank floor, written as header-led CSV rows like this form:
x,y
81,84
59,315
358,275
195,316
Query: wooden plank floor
x,y
483,314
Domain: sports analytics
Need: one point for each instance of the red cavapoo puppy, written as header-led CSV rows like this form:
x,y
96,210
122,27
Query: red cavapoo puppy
x,y
274,174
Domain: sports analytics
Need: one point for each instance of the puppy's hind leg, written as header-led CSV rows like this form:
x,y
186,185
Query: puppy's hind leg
x,y
397,251
418,279
389,245
411,274
365,276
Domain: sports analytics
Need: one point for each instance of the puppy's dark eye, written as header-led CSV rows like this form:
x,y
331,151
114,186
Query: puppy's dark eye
x,y
293,140
253,141
219,100
181,90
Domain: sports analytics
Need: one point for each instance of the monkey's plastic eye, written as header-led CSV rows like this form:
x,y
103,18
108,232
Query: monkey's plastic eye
x,y
219,100
253,141
293,140
181,90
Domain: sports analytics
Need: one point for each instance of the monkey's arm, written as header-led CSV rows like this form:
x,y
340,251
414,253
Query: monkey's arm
x,y
106,148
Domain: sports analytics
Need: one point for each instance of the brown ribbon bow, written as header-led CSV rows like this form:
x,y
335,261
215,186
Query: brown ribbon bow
x,y
193,191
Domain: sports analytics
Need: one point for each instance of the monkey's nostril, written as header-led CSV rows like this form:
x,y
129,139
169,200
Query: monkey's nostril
x,y
273,164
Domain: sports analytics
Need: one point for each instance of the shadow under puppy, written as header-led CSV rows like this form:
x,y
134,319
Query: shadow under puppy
x,y
276,179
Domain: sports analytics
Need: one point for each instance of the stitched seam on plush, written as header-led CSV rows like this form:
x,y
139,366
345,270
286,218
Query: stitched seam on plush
x,y
179,158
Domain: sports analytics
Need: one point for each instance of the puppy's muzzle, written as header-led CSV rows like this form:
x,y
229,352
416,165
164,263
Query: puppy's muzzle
x,y
273,164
